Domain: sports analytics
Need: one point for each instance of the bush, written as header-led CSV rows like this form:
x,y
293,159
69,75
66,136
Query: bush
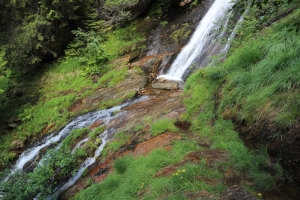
x,y
87,49
74,136
42,181
121,165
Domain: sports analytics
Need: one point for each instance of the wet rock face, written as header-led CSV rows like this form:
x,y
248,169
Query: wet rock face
x,y
135,80
165,85
171,38
232,177
151,65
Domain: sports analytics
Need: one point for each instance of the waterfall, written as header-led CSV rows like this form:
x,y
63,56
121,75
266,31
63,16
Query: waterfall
x,y
203,36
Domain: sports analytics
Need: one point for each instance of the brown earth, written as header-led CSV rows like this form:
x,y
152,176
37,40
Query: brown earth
x,y
158,105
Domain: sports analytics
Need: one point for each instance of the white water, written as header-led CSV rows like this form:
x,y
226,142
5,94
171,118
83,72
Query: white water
x,y
80,122
88,162
233,33
200,38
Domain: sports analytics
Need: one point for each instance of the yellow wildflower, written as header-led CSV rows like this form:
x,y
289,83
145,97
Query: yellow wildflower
x,y
183,170
176,174
259,194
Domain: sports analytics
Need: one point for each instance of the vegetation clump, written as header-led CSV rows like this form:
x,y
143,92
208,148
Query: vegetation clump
x,y
161,126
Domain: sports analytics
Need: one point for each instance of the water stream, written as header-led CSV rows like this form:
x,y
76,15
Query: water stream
x,y
56,138
204,34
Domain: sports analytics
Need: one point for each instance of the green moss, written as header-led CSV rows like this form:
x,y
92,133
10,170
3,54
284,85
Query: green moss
x,y
121,138
74,136
162,126
120,38
138,127
113,77
97,132
89,181
180,33
130,94
111,103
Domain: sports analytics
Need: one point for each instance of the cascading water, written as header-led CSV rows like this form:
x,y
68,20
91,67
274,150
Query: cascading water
x,y
82,121
78,123
203,36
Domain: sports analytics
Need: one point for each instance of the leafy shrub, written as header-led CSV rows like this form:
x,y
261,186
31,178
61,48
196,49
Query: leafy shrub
x,y
80,153
42,180
87,49
93,134
73,136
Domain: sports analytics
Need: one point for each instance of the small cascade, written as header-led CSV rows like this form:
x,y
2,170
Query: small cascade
x,y
233,33
83,121
88,162
78,123
203,36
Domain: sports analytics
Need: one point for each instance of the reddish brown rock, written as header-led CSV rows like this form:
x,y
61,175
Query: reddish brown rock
x,y
202,194
232,177
98,123
161,141
47,129
211,156
172,115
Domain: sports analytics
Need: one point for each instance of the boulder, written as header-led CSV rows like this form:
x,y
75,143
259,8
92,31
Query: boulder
x,y
151,65
17,145
165,85
184,2
232,177
236,193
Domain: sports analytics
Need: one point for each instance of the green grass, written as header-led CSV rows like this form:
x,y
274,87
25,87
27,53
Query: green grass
x,y
120,139
259,78
161,126
137,174
121,165
121,38
113,77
